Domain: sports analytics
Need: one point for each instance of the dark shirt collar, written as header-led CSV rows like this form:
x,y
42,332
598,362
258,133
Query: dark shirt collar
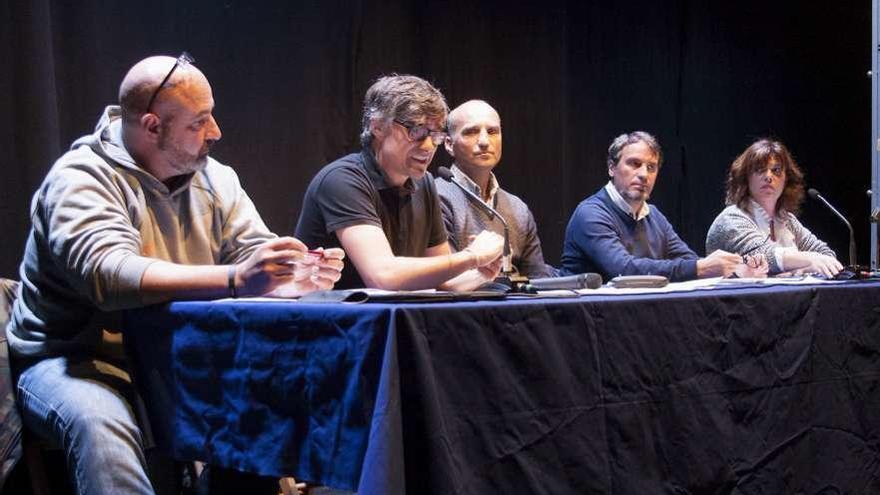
x,y
380,179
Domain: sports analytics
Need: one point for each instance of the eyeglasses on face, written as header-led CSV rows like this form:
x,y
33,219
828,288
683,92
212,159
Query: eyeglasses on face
x,y
418,132
183,60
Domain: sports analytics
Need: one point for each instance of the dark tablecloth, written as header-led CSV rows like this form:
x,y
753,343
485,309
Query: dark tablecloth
x,y
768,390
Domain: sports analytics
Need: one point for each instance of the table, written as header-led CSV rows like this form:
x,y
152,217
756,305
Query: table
x,y
751,390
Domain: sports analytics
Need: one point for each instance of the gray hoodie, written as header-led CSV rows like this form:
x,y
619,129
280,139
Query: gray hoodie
x,y
98,221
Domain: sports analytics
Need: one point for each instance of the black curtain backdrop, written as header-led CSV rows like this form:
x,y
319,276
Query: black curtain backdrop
x,y
706,78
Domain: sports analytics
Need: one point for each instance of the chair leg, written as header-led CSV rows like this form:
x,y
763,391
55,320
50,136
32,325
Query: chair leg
x,y
33,457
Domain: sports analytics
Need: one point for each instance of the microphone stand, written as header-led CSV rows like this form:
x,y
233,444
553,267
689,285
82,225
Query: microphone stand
x,y
508,276
852,237
854,270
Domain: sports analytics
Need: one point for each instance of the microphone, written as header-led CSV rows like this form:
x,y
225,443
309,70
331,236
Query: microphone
x,y
852,237
579,281
506,263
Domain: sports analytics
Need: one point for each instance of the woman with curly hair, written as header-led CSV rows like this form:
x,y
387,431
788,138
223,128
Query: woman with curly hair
x,y
765,188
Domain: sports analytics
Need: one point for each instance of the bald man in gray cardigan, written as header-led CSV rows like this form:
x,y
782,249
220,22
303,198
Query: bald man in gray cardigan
x,y
474,141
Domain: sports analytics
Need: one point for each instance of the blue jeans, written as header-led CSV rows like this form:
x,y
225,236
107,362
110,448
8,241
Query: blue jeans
x,y
85,407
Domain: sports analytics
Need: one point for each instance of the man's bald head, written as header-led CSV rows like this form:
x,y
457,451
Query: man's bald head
x,y
144,77
462,113
474,138
175,136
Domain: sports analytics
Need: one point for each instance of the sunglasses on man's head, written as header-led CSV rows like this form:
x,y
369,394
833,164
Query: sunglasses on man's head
x,y
183,60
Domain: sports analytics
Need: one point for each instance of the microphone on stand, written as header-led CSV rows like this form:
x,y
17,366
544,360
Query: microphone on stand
x,y
519,283
506,262
852,237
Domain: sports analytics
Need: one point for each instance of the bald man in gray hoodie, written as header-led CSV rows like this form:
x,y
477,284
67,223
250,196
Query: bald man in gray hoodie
x,y
134,214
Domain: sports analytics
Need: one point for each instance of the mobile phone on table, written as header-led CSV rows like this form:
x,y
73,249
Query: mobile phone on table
x,y
638,282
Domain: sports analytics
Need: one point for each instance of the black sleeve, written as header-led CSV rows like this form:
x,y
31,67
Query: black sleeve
x,y
345,197
438,228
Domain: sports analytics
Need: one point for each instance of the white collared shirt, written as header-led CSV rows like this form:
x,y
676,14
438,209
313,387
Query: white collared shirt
x,y
785,241
463,179
621,203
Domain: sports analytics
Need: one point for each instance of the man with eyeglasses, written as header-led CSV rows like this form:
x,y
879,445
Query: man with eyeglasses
x,y
474,142
381,205
616,232
134,214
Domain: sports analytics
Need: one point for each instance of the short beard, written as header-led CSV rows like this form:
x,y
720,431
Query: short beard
x,y
179,161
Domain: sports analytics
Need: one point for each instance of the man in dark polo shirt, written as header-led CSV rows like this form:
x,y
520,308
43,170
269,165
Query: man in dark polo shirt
x,y
381,206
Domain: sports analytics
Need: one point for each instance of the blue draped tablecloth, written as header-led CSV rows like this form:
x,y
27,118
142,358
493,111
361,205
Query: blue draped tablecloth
x,y
757,390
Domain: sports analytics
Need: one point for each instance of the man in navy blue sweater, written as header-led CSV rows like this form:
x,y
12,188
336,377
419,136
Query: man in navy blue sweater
x,y
616,232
